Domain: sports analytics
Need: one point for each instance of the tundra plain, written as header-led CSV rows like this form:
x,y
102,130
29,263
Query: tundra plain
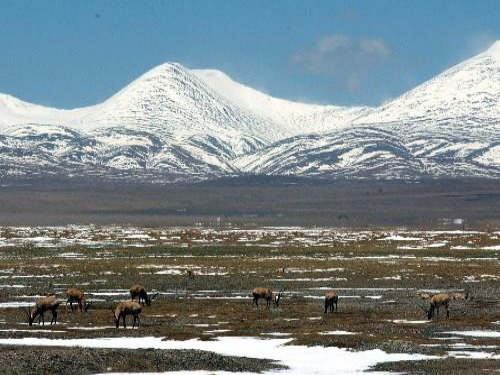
x,y
376,273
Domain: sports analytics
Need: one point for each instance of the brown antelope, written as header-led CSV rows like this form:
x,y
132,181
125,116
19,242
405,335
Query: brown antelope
x,y
331,298
127,308
268,295
438,300
42,305
139,291
76,295
443,299
281,271
190,273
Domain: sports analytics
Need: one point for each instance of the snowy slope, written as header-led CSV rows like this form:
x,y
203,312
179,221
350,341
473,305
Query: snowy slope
x,y
17,112
468,93
296,117
172,99
361,152
377,152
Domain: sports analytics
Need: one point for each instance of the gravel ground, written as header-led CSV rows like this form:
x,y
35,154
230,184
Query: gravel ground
x,y
442,366
79,361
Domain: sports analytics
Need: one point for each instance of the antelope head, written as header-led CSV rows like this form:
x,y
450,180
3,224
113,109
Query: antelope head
x,y
150,299
428,312
278,297
116,316
30,314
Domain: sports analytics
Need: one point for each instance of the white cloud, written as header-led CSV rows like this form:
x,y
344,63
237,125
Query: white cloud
x,y
349,59
375,47
330,43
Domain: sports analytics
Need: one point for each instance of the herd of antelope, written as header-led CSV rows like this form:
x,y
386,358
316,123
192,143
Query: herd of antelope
x,y
130,307
76,295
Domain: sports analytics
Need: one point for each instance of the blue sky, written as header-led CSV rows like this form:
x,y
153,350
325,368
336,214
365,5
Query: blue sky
x,y
70,54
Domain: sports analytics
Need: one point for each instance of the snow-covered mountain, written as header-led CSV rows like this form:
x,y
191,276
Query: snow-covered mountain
x,y
448,126
167,120
174,123
297,118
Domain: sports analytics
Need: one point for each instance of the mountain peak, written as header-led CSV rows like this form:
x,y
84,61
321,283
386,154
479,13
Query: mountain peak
x,y
466,92
167,67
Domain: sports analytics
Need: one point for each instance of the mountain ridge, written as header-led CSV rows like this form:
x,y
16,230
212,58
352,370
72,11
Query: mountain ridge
x,y
198,124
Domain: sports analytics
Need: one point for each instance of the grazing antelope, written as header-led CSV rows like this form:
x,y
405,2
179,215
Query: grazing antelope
x,y
76,295
268,295
190,273
443,299
42,305
438,300
331,298
139,291
127,308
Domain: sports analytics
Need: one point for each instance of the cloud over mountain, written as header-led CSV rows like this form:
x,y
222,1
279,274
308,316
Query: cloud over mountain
x,y
348,59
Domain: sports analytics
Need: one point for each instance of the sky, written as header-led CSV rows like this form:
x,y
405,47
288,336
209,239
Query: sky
x,y
71,54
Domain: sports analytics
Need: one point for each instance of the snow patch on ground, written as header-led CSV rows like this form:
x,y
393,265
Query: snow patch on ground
x,y
492,334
